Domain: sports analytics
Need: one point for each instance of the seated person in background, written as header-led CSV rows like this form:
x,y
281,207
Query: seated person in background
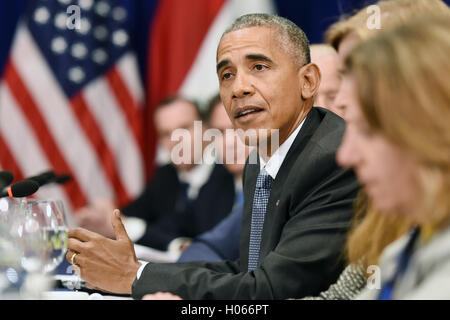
x,y
327,60
398,141
222,242
363,252
344,35
183,198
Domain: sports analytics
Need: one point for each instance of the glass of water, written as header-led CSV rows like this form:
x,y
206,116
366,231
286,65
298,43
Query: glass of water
x,y
11,272
46,220
54,232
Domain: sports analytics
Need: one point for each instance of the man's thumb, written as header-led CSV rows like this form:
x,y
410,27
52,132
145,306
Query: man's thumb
x,y
119,228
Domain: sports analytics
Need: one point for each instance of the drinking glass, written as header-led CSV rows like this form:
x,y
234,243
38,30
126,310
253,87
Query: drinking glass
x,y
54,231
11,272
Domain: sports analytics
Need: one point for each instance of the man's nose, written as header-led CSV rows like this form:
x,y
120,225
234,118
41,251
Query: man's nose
x,y
242,86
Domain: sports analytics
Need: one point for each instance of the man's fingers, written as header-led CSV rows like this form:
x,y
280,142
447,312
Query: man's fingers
x,y
75,245
81,234
119,228
72,257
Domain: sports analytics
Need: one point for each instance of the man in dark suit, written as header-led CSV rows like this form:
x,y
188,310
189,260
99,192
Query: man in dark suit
x,y
297,200
222,242
184,198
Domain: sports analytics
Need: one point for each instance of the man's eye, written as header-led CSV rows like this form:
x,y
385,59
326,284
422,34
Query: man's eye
x,y
260,67
226,76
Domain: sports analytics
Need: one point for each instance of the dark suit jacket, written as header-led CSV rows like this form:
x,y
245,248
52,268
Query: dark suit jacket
x,y
308,215
157,206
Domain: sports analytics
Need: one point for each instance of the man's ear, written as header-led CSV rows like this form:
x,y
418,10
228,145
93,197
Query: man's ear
x,y
309,80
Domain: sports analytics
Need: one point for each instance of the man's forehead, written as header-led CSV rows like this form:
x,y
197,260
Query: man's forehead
x,y
257,37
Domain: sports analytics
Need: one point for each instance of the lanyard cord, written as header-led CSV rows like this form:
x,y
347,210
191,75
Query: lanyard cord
x,y
404,258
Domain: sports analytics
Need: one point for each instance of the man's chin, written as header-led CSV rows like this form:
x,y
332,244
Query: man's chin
x,y
259,137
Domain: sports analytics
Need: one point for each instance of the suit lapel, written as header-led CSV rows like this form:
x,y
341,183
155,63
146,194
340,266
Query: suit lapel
x,y
309,127
251,174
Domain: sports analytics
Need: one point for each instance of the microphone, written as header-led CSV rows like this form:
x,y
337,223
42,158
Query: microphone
x,y
43,178
48,177
61,179
20,189
6,177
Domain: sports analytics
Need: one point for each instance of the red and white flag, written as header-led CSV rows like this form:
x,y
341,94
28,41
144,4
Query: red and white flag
x,y
71,101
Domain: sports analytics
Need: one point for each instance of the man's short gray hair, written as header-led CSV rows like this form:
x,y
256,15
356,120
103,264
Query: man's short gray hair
x,y
293,39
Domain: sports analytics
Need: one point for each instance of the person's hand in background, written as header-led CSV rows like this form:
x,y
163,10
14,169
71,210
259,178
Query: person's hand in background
x,y
185,245
96,217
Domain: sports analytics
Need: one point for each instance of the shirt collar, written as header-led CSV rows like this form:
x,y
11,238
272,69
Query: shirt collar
x,y
276,160
198,175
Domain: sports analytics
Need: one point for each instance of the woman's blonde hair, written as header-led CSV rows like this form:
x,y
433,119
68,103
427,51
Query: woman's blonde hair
x,y
371,232
393,13
403,79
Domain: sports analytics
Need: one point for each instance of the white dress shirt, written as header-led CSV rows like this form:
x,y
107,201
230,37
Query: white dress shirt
x,y
272,167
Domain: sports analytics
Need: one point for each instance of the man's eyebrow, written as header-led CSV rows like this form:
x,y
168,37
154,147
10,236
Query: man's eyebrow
x,y
222,64
252,56
258,57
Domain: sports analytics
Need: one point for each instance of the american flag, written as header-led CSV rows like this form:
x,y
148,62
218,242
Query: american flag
x,y
71,101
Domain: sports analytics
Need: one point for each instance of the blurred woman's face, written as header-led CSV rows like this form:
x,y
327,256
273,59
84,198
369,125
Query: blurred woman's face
x,y
388,174
347,44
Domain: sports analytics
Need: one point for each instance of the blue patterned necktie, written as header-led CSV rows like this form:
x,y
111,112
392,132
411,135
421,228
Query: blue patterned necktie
x,y
260,200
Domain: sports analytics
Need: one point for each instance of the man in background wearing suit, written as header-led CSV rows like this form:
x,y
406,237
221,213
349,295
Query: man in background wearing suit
x,y
222,241
297,200
327,60
183,199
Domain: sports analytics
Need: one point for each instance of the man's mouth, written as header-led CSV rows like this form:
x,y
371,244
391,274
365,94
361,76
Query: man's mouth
x,y
244,111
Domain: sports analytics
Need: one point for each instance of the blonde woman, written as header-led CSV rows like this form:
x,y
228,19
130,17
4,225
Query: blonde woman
x,y
398,142
371,232
345,34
